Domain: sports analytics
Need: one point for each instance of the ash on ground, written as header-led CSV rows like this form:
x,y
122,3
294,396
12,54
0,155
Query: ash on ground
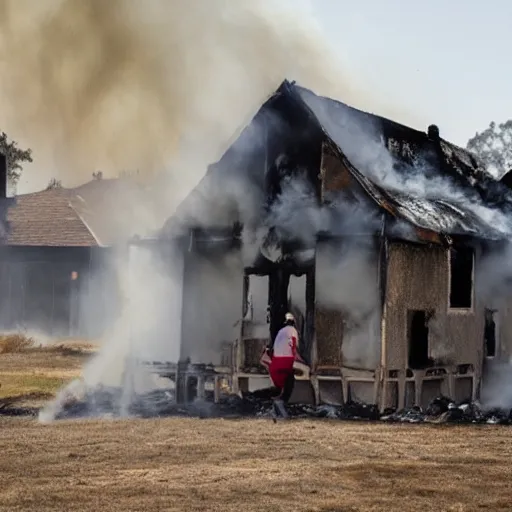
x,y
111,402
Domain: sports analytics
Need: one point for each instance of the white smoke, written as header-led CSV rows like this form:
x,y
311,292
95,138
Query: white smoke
x,y
346,281
360,139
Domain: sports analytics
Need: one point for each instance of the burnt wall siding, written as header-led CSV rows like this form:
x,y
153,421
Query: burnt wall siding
x,y
335,176
418,279
504,334
347,314
212,304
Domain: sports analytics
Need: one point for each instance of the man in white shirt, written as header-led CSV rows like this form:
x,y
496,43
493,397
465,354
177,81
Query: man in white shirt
x,y
280,366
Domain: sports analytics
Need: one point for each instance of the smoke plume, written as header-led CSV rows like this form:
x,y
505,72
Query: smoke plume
x,y
124,84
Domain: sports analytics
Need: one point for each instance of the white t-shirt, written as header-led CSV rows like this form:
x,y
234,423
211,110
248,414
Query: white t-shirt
x,y
286,342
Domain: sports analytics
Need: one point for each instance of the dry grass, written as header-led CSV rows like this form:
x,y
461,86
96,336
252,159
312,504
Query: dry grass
x,y
198,465
29,370
249,465
15,343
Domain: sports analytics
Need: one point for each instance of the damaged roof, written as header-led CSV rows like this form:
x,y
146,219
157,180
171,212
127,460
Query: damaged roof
x,y
468,200
415,176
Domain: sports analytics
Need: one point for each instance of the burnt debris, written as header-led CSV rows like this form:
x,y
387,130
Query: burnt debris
x,y
108,402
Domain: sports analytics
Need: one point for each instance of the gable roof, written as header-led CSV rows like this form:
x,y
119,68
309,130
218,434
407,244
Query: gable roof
x,y
113,209
98,213
466,200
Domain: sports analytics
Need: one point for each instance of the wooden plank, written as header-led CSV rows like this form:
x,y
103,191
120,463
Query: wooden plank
x,y
329,336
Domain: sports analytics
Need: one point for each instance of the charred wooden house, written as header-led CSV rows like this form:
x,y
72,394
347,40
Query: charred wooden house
x,y
370,231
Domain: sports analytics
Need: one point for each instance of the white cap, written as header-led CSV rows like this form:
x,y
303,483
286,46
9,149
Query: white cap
x,y
289,317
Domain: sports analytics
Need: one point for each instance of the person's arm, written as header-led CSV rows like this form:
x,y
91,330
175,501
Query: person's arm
x,y
295,348
299,358
266,358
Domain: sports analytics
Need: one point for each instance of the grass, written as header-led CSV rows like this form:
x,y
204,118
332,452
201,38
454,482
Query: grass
x,y
29,371
15,343
252,465
20,384
226,465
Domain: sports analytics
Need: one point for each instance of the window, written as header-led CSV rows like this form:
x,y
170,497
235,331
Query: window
x,y
417,322
461,278
490,333
256,298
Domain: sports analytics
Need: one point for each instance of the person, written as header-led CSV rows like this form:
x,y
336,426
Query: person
x,y
279,362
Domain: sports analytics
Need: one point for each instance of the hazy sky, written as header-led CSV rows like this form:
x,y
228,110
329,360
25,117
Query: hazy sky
x,y
448,60
443,62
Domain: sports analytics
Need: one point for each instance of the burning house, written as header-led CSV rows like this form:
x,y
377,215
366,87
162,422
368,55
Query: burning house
x,y
371,232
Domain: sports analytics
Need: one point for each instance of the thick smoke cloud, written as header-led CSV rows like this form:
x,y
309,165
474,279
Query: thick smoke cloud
x,y
126,84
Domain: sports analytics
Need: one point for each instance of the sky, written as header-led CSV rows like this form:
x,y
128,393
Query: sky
x,y
446,60
443,62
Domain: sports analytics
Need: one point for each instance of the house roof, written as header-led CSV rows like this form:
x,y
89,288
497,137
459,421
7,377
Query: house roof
x,y
113,209
98,213
413,175
429,182
45,218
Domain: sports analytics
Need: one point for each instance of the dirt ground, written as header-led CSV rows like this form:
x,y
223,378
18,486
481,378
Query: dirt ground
x,y
252,465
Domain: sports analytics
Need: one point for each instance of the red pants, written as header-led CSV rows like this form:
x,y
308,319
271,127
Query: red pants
x,y
281,373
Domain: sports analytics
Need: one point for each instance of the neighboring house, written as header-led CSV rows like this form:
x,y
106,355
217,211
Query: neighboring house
x,y
381,231
57,271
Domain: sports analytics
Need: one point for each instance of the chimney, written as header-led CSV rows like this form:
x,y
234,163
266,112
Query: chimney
x,y
433,132
3,176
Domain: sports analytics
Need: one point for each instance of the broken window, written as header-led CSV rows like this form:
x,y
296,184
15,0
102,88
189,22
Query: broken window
x,y
418,339
461,278
490,333
256,294
297,301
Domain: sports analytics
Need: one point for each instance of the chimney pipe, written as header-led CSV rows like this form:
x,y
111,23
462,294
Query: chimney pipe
x,y
433,132
3,176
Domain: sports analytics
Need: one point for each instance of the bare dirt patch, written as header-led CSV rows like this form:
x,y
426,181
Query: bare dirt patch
x,y
197,465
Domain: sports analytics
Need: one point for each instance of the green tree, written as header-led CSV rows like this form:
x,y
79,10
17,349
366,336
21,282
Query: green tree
x,y
494,147
15,157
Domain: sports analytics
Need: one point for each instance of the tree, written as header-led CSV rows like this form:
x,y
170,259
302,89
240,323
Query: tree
x,y
15,157
54,183
494,147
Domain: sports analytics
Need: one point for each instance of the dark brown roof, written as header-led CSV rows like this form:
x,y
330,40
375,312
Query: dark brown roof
x,y
98,213
46,218
468,202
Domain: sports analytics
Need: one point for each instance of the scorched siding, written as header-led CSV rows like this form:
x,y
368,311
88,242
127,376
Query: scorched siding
x,y
418,279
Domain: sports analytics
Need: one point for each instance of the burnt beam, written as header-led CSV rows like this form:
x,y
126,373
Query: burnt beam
x,y
279,280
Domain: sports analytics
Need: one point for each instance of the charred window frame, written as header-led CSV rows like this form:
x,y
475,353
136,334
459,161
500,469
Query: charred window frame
x,y
461,272
418,339
250,299
490,334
